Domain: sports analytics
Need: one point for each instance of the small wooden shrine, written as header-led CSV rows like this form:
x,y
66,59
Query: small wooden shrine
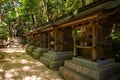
x,y
59,46
60,40
92,35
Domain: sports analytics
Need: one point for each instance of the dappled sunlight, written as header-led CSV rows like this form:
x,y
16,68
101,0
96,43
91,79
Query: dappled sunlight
x,y
1,70
33,77
24,61
11,50
38,64
26,68
31,62
18,66
46,72
13,61
9,74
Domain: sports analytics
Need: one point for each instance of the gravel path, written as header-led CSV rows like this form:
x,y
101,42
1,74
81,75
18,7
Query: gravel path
x,y
17,65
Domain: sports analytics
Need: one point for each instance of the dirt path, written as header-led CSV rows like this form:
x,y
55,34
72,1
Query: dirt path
x,y
18,65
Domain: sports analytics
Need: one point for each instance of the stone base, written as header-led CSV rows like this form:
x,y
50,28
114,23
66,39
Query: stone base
x,y
88,70
38,52
55,59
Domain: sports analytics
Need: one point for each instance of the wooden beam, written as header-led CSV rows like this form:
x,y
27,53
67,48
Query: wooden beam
x,y
47,29
87,47
79,20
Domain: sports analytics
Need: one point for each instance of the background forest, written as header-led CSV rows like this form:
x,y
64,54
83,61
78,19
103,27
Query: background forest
x,y
22,16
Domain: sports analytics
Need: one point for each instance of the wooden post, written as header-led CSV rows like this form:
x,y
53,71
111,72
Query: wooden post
x,y
75,50
55,44
33,36
94,55
40,39
49,41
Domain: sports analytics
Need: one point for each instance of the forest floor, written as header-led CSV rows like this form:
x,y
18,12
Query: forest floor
x,y
17,65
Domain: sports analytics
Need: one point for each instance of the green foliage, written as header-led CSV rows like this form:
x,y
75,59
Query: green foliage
x,y
30,49
116,42
36,53
116,33
27,15
2,55
4,32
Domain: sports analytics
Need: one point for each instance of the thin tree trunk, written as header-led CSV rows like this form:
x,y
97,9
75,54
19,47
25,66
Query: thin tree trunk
x,y
83,2
41,11
33,21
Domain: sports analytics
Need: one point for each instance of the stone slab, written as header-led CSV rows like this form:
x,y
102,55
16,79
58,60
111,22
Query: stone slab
x,y
69,74
60,52
53,56
81,69
91,70
50,63
45,61
91,63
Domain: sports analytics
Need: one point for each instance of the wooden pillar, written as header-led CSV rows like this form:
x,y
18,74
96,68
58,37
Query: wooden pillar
x,y
94,51
43,40
56,33
75,49
38,39
33,39
49,41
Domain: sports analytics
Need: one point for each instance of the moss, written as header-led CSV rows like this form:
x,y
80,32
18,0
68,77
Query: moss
x,y
2,55
37,53
30,49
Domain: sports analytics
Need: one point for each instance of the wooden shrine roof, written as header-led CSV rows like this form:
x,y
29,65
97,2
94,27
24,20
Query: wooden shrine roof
x,y
84,13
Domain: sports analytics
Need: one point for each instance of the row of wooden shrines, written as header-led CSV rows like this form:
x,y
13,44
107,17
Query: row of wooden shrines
x,y
88,34
88,37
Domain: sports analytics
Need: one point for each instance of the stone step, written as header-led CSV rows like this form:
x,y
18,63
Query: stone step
x,y
88,63
51,63
109,70
44,61
60,52
44,49
53,56
81,69
98,72
69,74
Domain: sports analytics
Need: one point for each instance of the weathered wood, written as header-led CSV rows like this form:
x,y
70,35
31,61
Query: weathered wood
x,y
80,20
56,33
87,47
94,52
75,49
44,40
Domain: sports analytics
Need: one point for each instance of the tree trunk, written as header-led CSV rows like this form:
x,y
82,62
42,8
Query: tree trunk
x,y
83,2
33,20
